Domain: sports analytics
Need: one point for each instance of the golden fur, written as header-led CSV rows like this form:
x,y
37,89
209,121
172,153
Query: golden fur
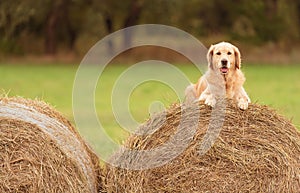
x,y
222,79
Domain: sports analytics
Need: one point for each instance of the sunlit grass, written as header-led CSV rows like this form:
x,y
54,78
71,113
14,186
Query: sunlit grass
x,y
276,86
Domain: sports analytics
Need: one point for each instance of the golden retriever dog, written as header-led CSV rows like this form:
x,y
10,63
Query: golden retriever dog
x,y
223,78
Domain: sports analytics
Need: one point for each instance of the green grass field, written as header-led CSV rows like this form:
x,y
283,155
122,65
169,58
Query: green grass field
x,y
275,86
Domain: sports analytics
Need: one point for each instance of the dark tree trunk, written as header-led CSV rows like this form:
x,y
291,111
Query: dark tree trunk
x,y
72,38
51,26
57,20
132,18
109,28
71,32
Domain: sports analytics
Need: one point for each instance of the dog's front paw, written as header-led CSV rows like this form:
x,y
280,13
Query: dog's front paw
x,y
210,101
243,104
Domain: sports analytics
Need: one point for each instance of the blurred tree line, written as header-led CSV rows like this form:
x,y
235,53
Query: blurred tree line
x,y
45,27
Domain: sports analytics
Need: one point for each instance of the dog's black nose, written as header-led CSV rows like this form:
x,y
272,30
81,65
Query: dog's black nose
x,y
224,62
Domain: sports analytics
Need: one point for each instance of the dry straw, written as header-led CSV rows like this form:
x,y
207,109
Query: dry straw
x,y
257,150
40,151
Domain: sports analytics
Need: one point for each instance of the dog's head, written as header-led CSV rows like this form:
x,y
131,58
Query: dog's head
x,y
224,57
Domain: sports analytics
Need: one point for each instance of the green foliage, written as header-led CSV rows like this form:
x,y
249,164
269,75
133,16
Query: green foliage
x,y
278,87
14,16
9,46
61,23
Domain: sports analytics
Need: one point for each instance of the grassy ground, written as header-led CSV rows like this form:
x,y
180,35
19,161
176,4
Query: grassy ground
x,y
276,86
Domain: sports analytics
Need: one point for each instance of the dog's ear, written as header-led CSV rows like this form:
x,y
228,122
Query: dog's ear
x,y
210,54
237,56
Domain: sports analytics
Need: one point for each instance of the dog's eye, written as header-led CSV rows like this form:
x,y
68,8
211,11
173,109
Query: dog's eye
x,y
229,53
218,53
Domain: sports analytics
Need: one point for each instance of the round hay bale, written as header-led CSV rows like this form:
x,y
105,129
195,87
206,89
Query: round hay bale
x,y
256,150
40,151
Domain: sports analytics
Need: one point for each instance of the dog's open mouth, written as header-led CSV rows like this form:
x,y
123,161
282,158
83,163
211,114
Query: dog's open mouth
x,y
224,70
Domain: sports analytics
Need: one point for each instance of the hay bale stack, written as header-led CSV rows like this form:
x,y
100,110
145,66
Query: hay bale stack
x,y
257,150
40,151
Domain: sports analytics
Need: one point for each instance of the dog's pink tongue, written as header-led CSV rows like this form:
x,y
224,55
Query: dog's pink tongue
x,y
224,70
